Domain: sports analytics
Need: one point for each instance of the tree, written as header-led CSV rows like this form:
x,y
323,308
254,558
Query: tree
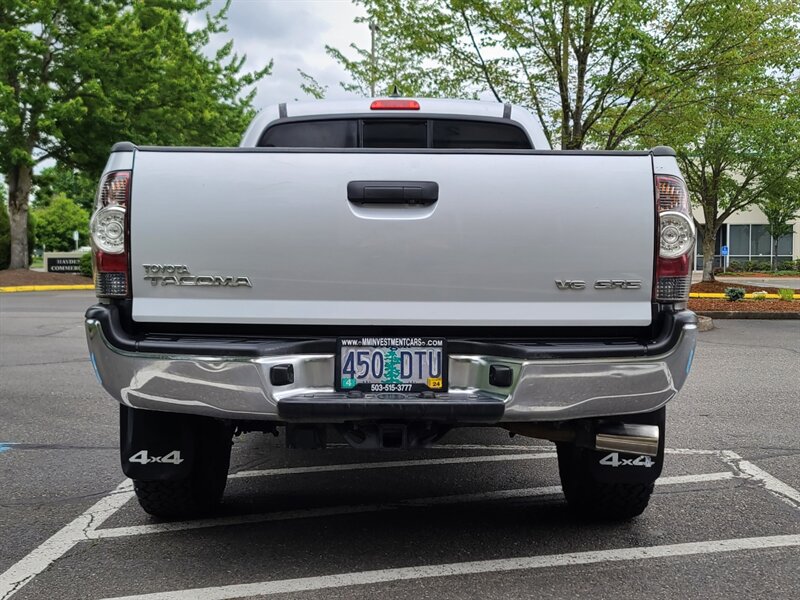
x,y
781,205
595,72
56,223
391,366
58,179
739,146
78,75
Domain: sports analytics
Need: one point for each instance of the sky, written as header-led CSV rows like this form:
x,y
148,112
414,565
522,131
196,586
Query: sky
x,y
293,33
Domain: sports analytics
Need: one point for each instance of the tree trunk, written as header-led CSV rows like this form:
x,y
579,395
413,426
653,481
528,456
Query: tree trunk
x,y
20,179
709,241
774,253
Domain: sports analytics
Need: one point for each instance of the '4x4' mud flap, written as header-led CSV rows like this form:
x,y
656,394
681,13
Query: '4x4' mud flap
x,y
622,467
157,446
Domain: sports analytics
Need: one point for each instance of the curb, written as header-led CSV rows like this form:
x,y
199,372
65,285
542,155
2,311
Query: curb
x,y
704,323
767,316
43,288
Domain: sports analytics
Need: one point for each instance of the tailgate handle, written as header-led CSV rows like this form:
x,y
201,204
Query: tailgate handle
x,y
420,193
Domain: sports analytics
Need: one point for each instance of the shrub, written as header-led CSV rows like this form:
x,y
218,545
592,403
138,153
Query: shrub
x,y
735,266
797,265
763,266
750,265
86,264
786,294
734,294
787,265
56,222
761,295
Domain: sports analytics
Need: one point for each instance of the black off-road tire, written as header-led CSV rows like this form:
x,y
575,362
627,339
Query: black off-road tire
x,y
598,500
201,491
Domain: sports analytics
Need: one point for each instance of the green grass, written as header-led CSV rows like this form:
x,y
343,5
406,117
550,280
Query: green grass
x,y
37,262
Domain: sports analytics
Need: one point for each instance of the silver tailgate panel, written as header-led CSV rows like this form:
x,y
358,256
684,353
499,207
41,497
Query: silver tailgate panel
x,y
489,252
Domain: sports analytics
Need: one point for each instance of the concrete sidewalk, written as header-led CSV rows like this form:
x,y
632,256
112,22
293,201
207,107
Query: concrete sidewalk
x,y
778,282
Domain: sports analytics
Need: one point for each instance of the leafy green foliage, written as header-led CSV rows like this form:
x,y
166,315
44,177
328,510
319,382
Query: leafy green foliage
x,y
736,132
86,265
56,222
79,75
734,294
311,86
60,180
595,72
786,294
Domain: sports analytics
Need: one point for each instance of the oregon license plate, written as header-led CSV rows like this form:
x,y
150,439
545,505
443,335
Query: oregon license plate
x,y
391,364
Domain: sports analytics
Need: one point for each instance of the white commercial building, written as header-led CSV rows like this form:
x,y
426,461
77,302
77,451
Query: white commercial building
x,y
747,239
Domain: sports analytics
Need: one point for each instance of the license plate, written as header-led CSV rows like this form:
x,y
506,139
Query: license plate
x,y
390,364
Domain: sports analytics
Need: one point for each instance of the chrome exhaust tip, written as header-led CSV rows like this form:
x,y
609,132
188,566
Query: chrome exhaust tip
x,y
629,438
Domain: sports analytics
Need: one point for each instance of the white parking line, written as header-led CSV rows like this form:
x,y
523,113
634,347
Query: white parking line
x,y
425,462
85,526
305,584
772,484
63,540
310,513
494,447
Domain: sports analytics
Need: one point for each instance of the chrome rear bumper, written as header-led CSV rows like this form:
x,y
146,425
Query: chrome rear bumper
x,y
239,386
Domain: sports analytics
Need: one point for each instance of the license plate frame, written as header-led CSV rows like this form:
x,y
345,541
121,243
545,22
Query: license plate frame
x,y
383,344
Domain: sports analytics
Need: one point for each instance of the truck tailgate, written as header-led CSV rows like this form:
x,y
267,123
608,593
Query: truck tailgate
x,y
491,251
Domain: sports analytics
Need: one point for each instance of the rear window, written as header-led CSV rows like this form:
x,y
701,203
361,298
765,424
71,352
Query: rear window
x,y
396,133
311,134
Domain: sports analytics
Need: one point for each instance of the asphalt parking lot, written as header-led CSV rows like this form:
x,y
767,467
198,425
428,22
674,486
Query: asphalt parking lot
x,y
478,516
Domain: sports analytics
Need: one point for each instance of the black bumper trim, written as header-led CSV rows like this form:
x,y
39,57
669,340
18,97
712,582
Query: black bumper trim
x,y
339,407
108,316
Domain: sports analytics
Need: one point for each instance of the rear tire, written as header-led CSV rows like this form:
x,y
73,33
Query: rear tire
x,y
201,491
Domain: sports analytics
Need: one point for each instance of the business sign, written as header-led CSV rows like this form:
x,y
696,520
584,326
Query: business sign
x,y
62,262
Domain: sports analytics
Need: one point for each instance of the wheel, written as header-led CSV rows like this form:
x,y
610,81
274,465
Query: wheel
x,y
200,491
593,499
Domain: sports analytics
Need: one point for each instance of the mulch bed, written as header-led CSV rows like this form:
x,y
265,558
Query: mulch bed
x,y
15,277
719,287
715,304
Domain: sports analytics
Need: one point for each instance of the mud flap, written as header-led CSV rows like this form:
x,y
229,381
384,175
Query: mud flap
x,y
621,467
157,446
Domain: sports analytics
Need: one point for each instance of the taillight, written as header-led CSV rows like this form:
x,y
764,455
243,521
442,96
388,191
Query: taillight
x,y
110,239
676,238
394,105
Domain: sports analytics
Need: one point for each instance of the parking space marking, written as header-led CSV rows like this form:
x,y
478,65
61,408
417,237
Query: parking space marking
x,y
310,513
495,447
85,526
305,584
747,470
63,540
393,464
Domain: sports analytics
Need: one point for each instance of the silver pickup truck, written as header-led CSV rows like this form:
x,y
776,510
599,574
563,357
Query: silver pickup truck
x,y
384,271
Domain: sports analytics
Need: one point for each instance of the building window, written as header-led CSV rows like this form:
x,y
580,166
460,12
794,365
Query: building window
x,y
745,243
